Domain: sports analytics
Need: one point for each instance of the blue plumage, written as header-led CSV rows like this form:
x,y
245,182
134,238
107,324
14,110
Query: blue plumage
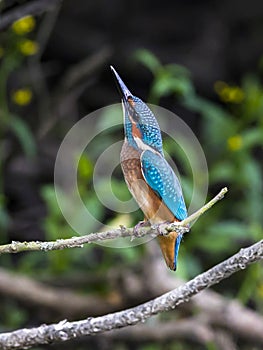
x,y
142,158
139,114
151,133
162,179
176,249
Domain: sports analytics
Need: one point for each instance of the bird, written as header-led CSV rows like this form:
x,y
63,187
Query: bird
x,y
149,177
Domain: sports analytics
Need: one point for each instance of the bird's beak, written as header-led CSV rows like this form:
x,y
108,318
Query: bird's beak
x,y
123,90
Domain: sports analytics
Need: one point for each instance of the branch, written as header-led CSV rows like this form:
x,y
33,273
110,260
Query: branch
x,y
183,226
193,329
61,300
71,85
64,330
219,311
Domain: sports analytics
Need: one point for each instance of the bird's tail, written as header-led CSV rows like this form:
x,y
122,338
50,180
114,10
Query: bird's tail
x,y
169,245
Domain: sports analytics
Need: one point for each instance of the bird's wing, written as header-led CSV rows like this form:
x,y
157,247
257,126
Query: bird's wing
x,y
161,178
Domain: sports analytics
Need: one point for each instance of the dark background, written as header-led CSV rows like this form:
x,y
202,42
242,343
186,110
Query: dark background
x,y
69,77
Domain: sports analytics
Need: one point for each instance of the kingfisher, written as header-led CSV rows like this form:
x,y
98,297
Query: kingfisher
x,y
150,179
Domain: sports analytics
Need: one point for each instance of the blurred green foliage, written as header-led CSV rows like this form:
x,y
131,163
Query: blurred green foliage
x,y
12,55
232,139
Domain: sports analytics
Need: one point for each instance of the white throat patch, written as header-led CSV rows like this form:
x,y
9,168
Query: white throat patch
x,y
143,146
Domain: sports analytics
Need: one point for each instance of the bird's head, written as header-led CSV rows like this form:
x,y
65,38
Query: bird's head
x,y
140,125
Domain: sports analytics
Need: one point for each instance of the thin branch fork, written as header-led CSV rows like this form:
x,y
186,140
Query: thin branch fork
x,y
180,227
64,330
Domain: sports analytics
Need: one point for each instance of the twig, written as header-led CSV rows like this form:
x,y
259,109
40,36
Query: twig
x,y
64,330
80,71
184,224
16,247
71,85
207,206
35,67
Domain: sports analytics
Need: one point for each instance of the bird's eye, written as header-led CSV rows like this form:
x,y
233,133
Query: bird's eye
x,y
130,101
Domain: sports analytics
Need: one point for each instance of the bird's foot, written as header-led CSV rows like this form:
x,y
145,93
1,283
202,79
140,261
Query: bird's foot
x,y
161,228
141,224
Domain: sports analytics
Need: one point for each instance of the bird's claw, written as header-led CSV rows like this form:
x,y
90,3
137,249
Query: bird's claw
x,y
161,228
140,225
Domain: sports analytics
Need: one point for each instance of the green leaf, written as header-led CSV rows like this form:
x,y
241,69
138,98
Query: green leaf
x,y
252,106
231,228
120,190
110,118
24,135
165,84
252,137
222,171
4,219
49,196
251,174
148,59
221,237
177,70
85,167
188,264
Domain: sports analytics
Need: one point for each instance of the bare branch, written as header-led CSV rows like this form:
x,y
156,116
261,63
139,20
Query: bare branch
x,y
61,300
193,329
79,72
69,330
218,310
71,85
225,341
183,226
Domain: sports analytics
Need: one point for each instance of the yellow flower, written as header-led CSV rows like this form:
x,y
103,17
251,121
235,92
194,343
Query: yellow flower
x,y
24,25
234,143
28,47
22,97
227,93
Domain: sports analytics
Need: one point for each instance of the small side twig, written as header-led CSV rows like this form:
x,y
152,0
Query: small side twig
x,y
16,247
183,225
78,242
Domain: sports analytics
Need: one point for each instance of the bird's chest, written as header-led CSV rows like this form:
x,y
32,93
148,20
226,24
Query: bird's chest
x,y
149,202
131,164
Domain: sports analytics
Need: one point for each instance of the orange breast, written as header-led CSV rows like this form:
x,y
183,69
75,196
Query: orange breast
x,y
153,208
